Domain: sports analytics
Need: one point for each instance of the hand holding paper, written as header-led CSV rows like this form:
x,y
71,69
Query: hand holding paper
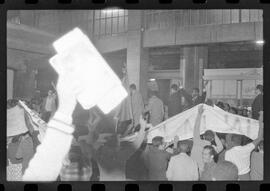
x,y
96,83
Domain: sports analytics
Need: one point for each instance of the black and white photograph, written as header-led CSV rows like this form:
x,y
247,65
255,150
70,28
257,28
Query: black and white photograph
x,y
135,95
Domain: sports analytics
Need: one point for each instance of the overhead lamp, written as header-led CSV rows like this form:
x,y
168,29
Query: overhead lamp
x,y
152,79
260,42
111,10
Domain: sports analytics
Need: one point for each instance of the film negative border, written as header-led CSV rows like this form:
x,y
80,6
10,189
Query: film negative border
x,y
135,4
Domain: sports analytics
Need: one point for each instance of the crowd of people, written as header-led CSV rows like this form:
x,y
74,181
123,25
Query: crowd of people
x,y
99,151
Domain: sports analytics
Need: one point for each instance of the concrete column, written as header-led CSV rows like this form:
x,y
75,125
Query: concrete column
x,y
137,57
194,61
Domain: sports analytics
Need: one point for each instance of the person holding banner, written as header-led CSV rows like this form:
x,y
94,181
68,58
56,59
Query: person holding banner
x,y
157,157
199,144
240,155
182,167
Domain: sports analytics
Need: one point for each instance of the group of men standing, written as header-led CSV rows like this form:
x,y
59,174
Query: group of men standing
x,y
175,103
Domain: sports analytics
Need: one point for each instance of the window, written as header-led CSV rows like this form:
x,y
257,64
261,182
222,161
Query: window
x,y
244,15
156,19
226,16
110,21
235,16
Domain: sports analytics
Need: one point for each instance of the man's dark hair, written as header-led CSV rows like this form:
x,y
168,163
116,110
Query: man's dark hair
x,y
209,102
157,141
132,86
209,135
227,105
196,89
260,87
174,87
225,170
234,109
220,105
211,149
236,139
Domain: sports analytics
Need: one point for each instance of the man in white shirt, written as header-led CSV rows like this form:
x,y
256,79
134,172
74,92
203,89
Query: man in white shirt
x,y
156,109
240,155
198,143
182,167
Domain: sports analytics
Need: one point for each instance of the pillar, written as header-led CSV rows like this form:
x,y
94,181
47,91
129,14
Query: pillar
x,y
137,56
193,62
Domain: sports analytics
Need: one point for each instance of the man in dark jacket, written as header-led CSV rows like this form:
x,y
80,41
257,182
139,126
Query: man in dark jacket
x,y
175,105
257,104
195,98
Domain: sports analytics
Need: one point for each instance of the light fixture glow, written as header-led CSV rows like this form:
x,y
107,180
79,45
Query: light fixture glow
x,y
152,79
111,10
260,42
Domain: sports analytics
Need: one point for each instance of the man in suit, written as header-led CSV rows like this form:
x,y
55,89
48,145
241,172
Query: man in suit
x,y
257,104
175,101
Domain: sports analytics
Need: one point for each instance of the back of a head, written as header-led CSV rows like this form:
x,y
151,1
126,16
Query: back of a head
x,y
209,135
236,139
157,141
183,146
225,170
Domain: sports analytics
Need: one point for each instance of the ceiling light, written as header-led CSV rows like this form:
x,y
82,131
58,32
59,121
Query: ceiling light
x,y
260,42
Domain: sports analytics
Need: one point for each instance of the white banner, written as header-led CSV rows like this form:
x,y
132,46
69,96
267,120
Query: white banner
x,y
37,123
213,118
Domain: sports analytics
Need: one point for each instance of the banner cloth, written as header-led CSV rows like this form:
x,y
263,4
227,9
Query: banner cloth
x,y
35,121
213,118
15,122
